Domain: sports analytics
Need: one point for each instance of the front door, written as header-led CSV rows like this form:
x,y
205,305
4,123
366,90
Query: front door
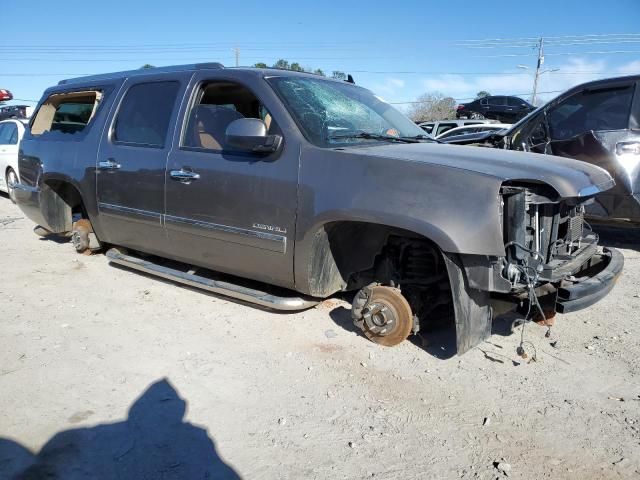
x,y
132,160
228,210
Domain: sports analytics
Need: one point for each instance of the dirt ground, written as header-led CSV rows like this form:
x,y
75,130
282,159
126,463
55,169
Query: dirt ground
x,y
108,373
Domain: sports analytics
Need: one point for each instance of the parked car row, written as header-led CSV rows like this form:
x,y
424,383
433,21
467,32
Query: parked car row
x,y
439,127
467,129
15,111
310,186
598,123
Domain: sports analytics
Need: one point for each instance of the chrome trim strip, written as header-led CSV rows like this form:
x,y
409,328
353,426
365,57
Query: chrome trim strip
x,y
278,239
239,292
135,211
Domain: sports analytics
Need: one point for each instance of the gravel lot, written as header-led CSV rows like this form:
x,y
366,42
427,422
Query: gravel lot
x,y
108,373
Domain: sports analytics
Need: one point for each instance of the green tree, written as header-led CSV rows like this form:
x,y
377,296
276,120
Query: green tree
x,y
282,64
296,67
147,65
338,75
482,93
261,65
318,71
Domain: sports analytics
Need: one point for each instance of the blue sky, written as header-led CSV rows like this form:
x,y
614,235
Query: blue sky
x,y
398,49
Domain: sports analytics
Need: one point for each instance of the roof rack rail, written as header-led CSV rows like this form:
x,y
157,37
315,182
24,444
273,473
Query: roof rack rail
x,y
142,71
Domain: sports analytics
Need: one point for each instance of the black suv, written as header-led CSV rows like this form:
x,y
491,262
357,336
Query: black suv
x,y
499,107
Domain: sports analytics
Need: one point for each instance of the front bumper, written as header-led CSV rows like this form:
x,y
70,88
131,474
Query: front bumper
x,y
592,283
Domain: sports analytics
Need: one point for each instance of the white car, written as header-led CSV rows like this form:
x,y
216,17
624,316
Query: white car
x,y
472,129
11,132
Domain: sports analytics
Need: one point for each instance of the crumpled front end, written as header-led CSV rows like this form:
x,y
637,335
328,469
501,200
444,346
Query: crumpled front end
x,y
552,263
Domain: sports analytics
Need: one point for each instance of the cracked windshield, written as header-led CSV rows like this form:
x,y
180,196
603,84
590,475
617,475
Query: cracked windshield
x,y
331,113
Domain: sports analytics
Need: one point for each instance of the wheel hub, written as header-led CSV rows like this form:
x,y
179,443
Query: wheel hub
x,y
379,318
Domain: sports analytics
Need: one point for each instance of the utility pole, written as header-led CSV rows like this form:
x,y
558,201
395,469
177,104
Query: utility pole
x,y
538,67
237,52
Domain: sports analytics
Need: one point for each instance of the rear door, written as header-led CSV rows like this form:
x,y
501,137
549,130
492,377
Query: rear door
x,y
132,160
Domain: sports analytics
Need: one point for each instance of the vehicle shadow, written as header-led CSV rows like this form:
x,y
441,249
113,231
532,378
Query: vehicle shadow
x,y
153,442
439,341
618,236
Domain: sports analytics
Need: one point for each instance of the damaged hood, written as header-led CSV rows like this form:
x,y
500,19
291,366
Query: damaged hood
x,y
570,178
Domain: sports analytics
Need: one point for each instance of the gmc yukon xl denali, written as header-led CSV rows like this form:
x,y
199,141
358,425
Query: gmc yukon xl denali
x,y
282,188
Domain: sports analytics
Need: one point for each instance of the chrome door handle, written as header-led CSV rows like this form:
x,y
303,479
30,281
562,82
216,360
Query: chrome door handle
x,y
185,176
109,164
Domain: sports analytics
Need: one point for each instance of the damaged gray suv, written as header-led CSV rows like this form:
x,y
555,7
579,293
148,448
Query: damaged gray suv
x,y
281,189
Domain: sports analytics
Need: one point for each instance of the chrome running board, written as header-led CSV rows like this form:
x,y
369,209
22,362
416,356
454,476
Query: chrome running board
x,y
239,292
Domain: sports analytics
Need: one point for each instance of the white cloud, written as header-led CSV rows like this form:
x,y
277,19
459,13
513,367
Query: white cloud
x,y
389,87
571,73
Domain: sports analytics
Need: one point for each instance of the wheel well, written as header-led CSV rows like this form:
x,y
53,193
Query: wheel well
x,y
62,201
350,255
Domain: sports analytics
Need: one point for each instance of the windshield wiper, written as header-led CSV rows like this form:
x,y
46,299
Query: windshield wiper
x,y
375,136
422,136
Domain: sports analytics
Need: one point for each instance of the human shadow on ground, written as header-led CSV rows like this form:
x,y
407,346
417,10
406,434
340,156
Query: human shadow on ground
x,y
153,442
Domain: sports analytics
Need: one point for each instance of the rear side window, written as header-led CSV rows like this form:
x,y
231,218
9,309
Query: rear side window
x,y
497,101
588,110
443,127
515,102
8,133
145,114
68,113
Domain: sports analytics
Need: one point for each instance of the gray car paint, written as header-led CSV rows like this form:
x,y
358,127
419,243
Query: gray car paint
x,y
256,217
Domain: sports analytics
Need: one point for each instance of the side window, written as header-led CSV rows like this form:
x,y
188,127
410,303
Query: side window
x,y
216,105
515,102
606,109
484,101
497,101
443,127
13,135
67,113
145,113
4,134
428,128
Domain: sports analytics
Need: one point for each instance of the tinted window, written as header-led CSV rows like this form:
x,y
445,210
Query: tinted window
x,y
497,100
591,110
145,113
515,102
3,132
8,134
484,101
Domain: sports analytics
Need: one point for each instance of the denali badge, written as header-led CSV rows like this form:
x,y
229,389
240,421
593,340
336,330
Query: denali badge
x,y
269,228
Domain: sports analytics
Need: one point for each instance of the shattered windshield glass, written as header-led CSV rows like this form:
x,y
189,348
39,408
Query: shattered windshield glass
x,y
333,113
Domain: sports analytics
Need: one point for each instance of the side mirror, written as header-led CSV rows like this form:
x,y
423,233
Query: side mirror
x,y
250,135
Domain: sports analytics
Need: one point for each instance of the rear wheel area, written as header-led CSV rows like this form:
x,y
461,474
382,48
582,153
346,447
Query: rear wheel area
x,y
83,238
476,116
11,179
